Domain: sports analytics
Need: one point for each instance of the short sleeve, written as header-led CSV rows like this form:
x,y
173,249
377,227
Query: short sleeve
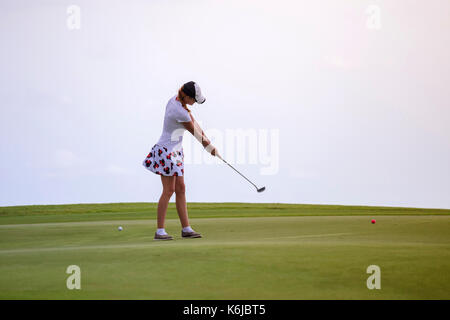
x,y
181,115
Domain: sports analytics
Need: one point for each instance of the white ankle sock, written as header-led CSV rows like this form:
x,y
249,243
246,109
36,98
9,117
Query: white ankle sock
x,y
188,229
161,232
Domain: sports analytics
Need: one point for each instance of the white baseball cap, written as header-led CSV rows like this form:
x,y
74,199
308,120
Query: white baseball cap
x,y
193,90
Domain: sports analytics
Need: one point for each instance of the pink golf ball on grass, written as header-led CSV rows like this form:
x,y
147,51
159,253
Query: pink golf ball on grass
x,y
373,221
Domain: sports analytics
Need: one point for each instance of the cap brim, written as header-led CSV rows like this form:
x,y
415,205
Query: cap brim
x,y
200,100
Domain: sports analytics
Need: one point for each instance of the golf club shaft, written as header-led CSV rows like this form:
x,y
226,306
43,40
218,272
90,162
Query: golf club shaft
x,y
237,171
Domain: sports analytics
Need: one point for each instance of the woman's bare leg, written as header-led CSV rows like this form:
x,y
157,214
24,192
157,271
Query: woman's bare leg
x,y
168,190
180,196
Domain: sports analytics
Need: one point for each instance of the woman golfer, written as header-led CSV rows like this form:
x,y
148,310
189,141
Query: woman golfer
x,y
166,158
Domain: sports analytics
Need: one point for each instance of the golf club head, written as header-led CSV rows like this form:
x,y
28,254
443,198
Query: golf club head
x,y
261,189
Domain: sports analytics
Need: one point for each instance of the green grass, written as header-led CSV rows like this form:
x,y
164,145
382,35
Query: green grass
x,y
144,210
249,251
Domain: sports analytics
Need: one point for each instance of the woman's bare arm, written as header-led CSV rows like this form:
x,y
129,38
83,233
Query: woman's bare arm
x,y
194,128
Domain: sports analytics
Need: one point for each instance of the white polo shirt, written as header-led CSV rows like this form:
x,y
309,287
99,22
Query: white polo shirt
x,y
173,129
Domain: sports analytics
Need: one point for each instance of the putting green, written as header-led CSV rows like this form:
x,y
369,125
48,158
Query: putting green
x,y
242,257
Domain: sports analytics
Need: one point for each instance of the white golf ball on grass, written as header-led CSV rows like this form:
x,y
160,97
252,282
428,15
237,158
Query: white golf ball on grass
x,y
120,228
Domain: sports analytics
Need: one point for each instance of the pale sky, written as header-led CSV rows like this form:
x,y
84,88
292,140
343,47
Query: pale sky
x,y
353,96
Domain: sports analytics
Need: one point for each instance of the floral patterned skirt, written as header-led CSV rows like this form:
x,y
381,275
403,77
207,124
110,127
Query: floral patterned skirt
x,y
162,162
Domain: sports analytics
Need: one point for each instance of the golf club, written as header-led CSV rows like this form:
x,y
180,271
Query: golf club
x,y
257,189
